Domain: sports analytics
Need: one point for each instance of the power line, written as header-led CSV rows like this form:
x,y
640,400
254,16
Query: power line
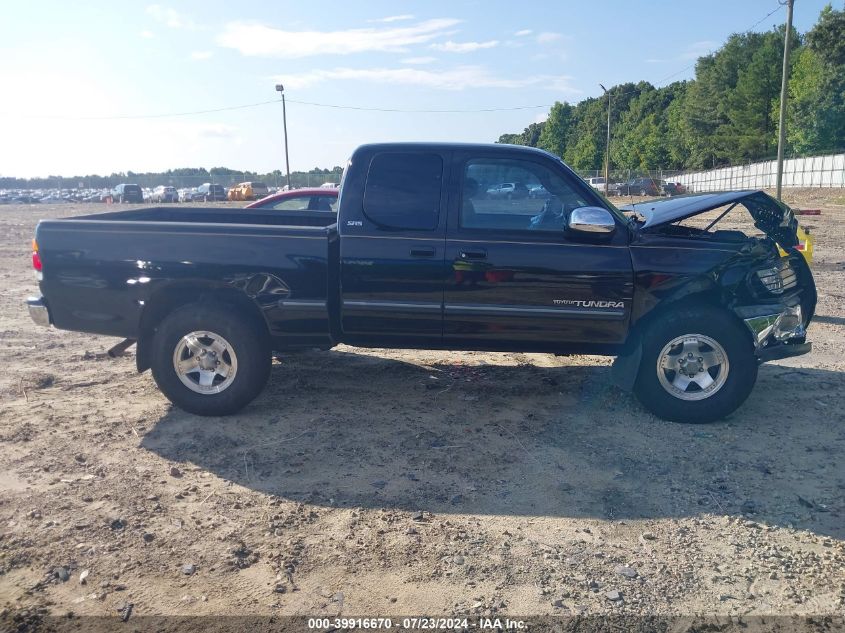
x,y
123,117
119,117
412,111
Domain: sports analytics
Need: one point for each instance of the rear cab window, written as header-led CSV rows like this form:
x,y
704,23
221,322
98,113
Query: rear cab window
x,y
403,191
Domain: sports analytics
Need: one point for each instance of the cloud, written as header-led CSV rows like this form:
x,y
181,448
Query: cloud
x,y
457,78
691,52
171,18
191,131
419,60
257,40
546,37
523,33
201,55
697,49
463,47
147,35
394,18
215,130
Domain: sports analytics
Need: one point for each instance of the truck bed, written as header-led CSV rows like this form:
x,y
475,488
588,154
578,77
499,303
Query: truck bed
x,y
222,215
102,271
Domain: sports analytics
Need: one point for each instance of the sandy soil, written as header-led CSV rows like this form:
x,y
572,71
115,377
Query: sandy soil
x,y
366,482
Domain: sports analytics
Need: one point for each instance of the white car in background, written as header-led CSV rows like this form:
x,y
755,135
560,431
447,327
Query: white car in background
x,y
596,182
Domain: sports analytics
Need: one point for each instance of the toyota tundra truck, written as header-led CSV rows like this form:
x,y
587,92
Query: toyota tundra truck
x,y
420,256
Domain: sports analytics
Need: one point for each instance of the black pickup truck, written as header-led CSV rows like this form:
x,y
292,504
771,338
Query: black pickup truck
x,y
419,256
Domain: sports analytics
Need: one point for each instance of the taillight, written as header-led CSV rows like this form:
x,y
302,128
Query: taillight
x,y
36,258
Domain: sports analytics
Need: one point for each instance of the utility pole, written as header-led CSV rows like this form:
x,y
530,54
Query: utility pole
x,y
607,146
783,93
281,89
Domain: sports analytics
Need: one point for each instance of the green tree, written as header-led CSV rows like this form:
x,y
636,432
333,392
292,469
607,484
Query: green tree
x,y
752,129
816,106
558,129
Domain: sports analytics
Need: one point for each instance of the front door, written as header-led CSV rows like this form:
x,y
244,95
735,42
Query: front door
x,y
517,279
392,259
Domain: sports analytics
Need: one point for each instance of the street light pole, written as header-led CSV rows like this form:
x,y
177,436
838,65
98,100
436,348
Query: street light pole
x,y
607,146
784,81
281,89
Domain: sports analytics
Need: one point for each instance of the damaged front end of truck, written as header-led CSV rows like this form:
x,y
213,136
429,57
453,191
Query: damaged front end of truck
x,y
702,249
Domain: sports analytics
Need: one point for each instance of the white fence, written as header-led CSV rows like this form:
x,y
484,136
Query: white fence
x,y
812,171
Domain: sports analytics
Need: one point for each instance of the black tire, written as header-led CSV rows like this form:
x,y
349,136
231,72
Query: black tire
x,y
250,345
642,193
722,328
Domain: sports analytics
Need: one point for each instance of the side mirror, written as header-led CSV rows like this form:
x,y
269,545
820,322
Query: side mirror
x,y
591,220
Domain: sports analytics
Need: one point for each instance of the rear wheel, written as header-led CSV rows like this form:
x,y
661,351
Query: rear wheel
x,y
697,366
643,193
210,360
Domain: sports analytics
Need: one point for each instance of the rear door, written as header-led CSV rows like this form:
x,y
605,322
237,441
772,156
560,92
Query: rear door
x,y
515,279
392,249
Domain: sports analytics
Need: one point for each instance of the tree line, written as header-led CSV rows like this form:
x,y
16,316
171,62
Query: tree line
x,y
727,114
182,177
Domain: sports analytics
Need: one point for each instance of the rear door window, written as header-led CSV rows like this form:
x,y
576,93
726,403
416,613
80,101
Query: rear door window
x,y
403,191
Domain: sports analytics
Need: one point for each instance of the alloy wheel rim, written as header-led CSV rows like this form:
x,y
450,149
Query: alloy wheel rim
x,y
692,367
205,362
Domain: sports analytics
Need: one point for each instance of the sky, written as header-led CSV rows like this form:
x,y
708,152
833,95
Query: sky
x,y
92,87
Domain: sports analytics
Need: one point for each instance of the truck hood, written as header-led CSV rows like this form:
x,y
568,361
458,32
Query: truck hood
x,y
774,218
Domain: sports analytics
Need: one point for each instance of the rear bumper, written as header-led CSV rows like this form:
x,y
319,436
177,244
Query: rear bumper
x,y
38,311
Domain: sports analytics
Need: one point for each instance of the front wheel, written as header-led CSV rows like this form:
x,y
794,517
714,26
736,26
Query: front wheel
x,y
697,366
210,360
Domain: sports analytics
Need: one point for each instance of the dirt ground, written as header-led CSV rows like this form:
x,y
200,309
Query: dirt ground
x,y
369,482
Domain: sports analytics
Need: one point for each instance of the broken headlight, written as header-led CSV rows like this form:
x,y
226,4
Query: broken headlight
x,y
777,279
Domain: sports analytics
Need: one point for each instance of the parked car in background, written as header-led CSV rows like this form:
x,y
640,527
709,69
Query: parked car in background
x,y
210,192
508,190
329,185
127,193
538,191
672,188
248,191
164,193
638,187
321,199
596,182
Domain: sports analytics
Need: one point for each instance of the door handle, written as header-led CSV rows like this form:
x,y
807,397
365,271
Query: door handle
x,y
422,252
473,254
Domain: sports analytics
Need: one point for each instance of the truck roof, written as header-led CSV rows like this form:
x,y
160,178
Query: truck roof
x,y
446,146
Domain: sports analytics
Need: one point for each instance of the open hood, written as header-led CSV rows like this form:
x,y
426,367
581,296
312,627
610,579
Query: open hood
x,y
774,218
